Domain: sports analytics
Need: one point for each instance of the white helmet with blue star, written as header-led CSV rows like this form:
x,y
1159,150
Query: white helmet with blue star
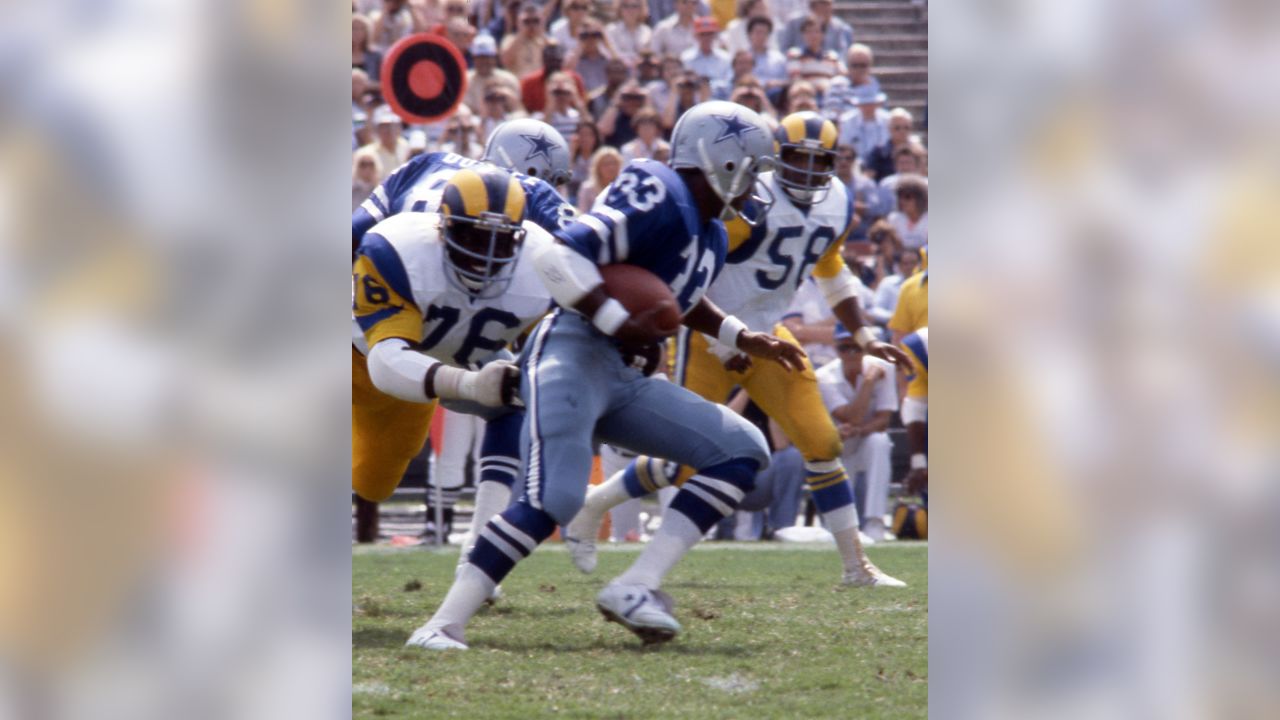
x,y
531,147
730,144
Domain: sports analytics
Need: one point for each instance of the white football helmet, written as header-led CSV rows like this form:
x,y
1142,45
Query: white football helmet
x,y
531,147
731,145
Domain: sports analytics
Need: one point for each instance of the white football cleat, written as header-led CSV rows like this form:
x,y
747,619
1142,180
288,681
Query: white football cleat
x,y
580,535
434,639
581,552
870,576
645,612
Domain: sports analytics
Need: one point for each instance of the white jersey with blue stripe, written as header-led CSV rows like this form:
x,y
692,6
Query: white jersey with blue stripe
x,y
418,185
649,218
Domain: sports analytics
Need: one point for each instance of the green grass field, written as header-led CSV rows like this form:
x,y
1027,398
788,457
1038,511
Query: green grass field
x,y
768,633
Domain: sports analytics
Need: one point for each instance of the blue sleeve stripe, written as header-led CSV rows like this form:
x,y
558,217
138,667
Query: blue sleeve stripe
x,y
368,321
361,222
915,344
603,236
620,243
379,202
387,260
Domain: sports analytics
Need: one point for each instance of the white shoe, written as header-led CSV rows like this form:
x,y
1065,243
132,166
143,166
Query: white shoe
x,y
645,612
876,529
870,576
434,639
865,539
580,536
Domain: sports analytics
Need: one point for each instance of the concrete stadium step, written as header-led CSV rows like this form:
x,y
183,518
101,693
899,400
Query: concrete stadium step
x,y
904,11
876,27
893,42
901,76
901,58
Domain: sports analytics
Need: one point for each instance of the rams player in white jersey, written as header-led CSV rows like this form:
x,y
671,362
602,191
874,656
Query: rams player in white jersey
x,y
801,234
435,296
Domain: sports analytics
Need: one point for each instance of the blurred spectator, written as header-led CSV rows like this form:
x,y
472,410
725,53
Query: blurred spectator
x,y
394,20
629,35
860,392
750,93
366,173
662,90
615,123
567,29
902,265
566,107
606,163
674,34
811,61
417,140
582,145
522,51
857,83
801,95
660,9
485,70
691,89
770,65
866,127
506,22
647,68
868,205
592,56
453,9
616,74
461,135
911,219
533,87
362,56
648,142
734,38
836,34
391,148
880,161
912,310
460,32
705,58
360,107
908,160
741,66
500,104
784,10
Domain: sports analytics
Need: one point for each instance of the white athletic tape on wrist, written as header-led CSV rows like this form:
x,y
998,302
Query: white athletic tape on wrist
x,y
610,316
919,461
730,329
864,337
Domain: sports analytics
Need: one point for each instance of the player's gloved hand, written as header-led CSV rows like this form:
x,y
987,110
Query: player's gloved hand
x,y
768,347
645,358
892,353
494,385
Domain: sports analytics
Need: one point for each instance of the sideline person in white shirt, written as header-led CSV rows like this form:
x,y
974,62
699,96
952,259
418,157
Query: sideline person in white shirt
x,y
860,392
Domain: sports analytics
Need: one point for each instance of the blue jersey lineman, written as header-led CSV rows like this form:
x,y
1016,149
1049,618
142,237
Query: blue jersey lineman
x,y
577,387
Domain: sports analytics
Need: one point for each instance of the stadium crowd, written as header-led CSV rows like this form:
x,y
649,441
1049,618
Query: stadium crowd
x,y
614,76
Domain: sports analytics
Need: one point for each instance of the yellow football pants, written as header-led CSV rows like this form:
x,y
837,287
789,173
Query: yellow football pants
x,y
386,433
791,398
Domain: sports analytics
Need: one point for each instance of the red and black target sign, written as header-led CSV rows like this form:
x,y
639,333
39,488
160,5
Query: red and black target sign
x,y
423,78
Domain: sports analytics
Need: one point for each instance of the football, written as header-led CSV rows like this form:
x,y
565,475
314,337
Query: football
x,y
644,295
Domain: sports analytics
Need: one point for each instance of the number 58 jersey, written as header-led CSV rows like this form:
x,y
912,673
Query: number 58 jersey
x,y
400,290
768,263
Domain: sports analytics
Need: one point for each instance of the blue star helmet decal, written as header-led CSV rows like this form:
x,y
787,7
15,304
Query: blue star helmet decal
x,y
539,145
733,127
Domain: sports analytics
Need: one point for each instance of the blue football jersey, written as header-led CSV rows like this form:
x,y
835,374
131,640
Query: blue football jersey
x,y
417,185
648,218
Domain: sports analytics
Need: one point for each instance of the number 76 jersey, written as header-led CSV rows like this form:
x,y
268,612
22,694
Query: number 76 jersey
x,y
400,290
768,263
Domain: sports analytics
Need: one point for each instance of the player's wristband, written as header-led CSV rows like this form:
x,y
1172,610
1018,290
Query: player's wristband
x,y
864,337
610,316
919,462
730,328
